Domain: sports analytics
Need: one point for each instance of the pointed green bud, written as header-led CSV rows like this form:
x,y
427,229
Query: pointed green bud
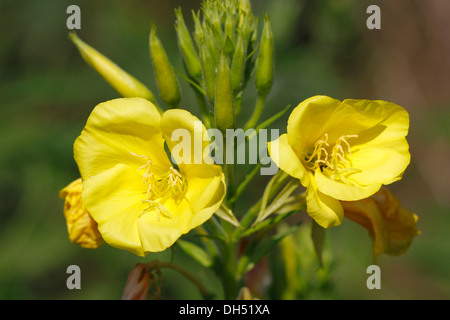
x,y
264,66
213,16
245,6
199,36
230,27
125,84
224,107
212,43
187,48
238,64
166,78
209,73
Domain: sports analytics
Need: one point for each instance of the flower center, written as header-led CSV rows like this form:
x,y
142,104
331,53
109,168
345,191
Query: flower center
x,y
161,187
334,161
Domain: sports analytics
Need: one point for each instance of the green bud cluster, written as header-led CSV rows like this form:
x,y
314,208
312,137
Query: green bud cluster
x,y
220,57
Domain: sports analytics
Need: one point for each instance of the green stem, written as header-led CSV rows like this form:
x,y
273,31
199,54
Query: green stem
x,y
230,281
256,113
230,179
228,169
186,274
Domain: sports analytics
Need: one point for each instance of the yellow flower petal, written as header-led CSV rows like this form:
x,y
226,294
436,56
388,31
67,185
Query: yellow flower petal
x,y
205,192
120,131
380,152
177,125
286,159
307,120
325,210
115,204
157,235
205,180
380,164
343,191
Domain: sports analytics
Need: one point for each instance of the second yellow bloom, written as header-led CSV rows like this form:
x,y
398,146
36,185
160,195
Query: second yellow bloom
x,y
342,151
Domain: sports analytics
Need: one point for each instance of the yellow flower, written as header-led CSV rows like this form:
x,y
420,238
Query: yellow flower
x,y
391,226
342,151
141,201
80,225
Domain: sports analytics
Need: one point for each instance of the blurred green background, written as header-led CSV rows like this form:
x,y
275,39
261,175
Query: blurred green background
x,y
323,47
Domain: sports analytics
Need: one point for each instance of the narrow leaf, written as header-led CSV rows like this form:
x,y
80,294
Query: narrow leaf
x,y
196,252
227,215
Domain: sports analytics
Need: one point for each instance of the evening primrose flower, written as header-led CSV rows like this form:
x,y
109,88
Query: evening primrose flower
x,y
342,151
391,226
141,201
80,225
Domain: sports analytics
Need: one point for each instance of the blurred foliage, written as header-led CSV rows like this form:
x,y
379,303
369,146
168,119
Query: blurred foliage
x,y
47,92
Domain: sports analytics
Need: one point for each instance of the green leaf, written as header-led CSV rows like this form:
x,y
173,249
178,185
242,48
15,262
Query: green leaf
x,y
268,223
280,199
196,252
264,248
295,203
226,214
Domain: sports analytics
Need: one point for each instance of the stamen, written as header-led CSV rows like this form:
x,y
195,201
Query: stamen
x,y
158,208
171,185
337,164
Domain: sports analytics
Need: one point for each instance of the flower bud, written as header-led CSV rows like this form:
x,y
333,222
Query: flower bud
x,y
81,226
245,6
209,73
187,48
212,43
238,64
166,78
265,63
138,283
224,107
230,34
125,84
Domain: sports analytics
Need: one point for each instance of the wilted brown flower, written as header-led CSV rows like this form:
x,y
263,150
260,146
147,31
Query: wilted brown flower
x,y
81,226
391,226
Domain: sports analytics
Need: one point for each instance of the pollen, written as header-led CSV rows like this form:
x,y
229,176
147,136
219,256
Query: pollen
x,y
334,160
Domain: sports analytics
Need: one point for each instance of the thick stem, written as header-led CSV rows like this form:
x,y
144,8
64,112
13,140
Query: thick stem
x,y
230,281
